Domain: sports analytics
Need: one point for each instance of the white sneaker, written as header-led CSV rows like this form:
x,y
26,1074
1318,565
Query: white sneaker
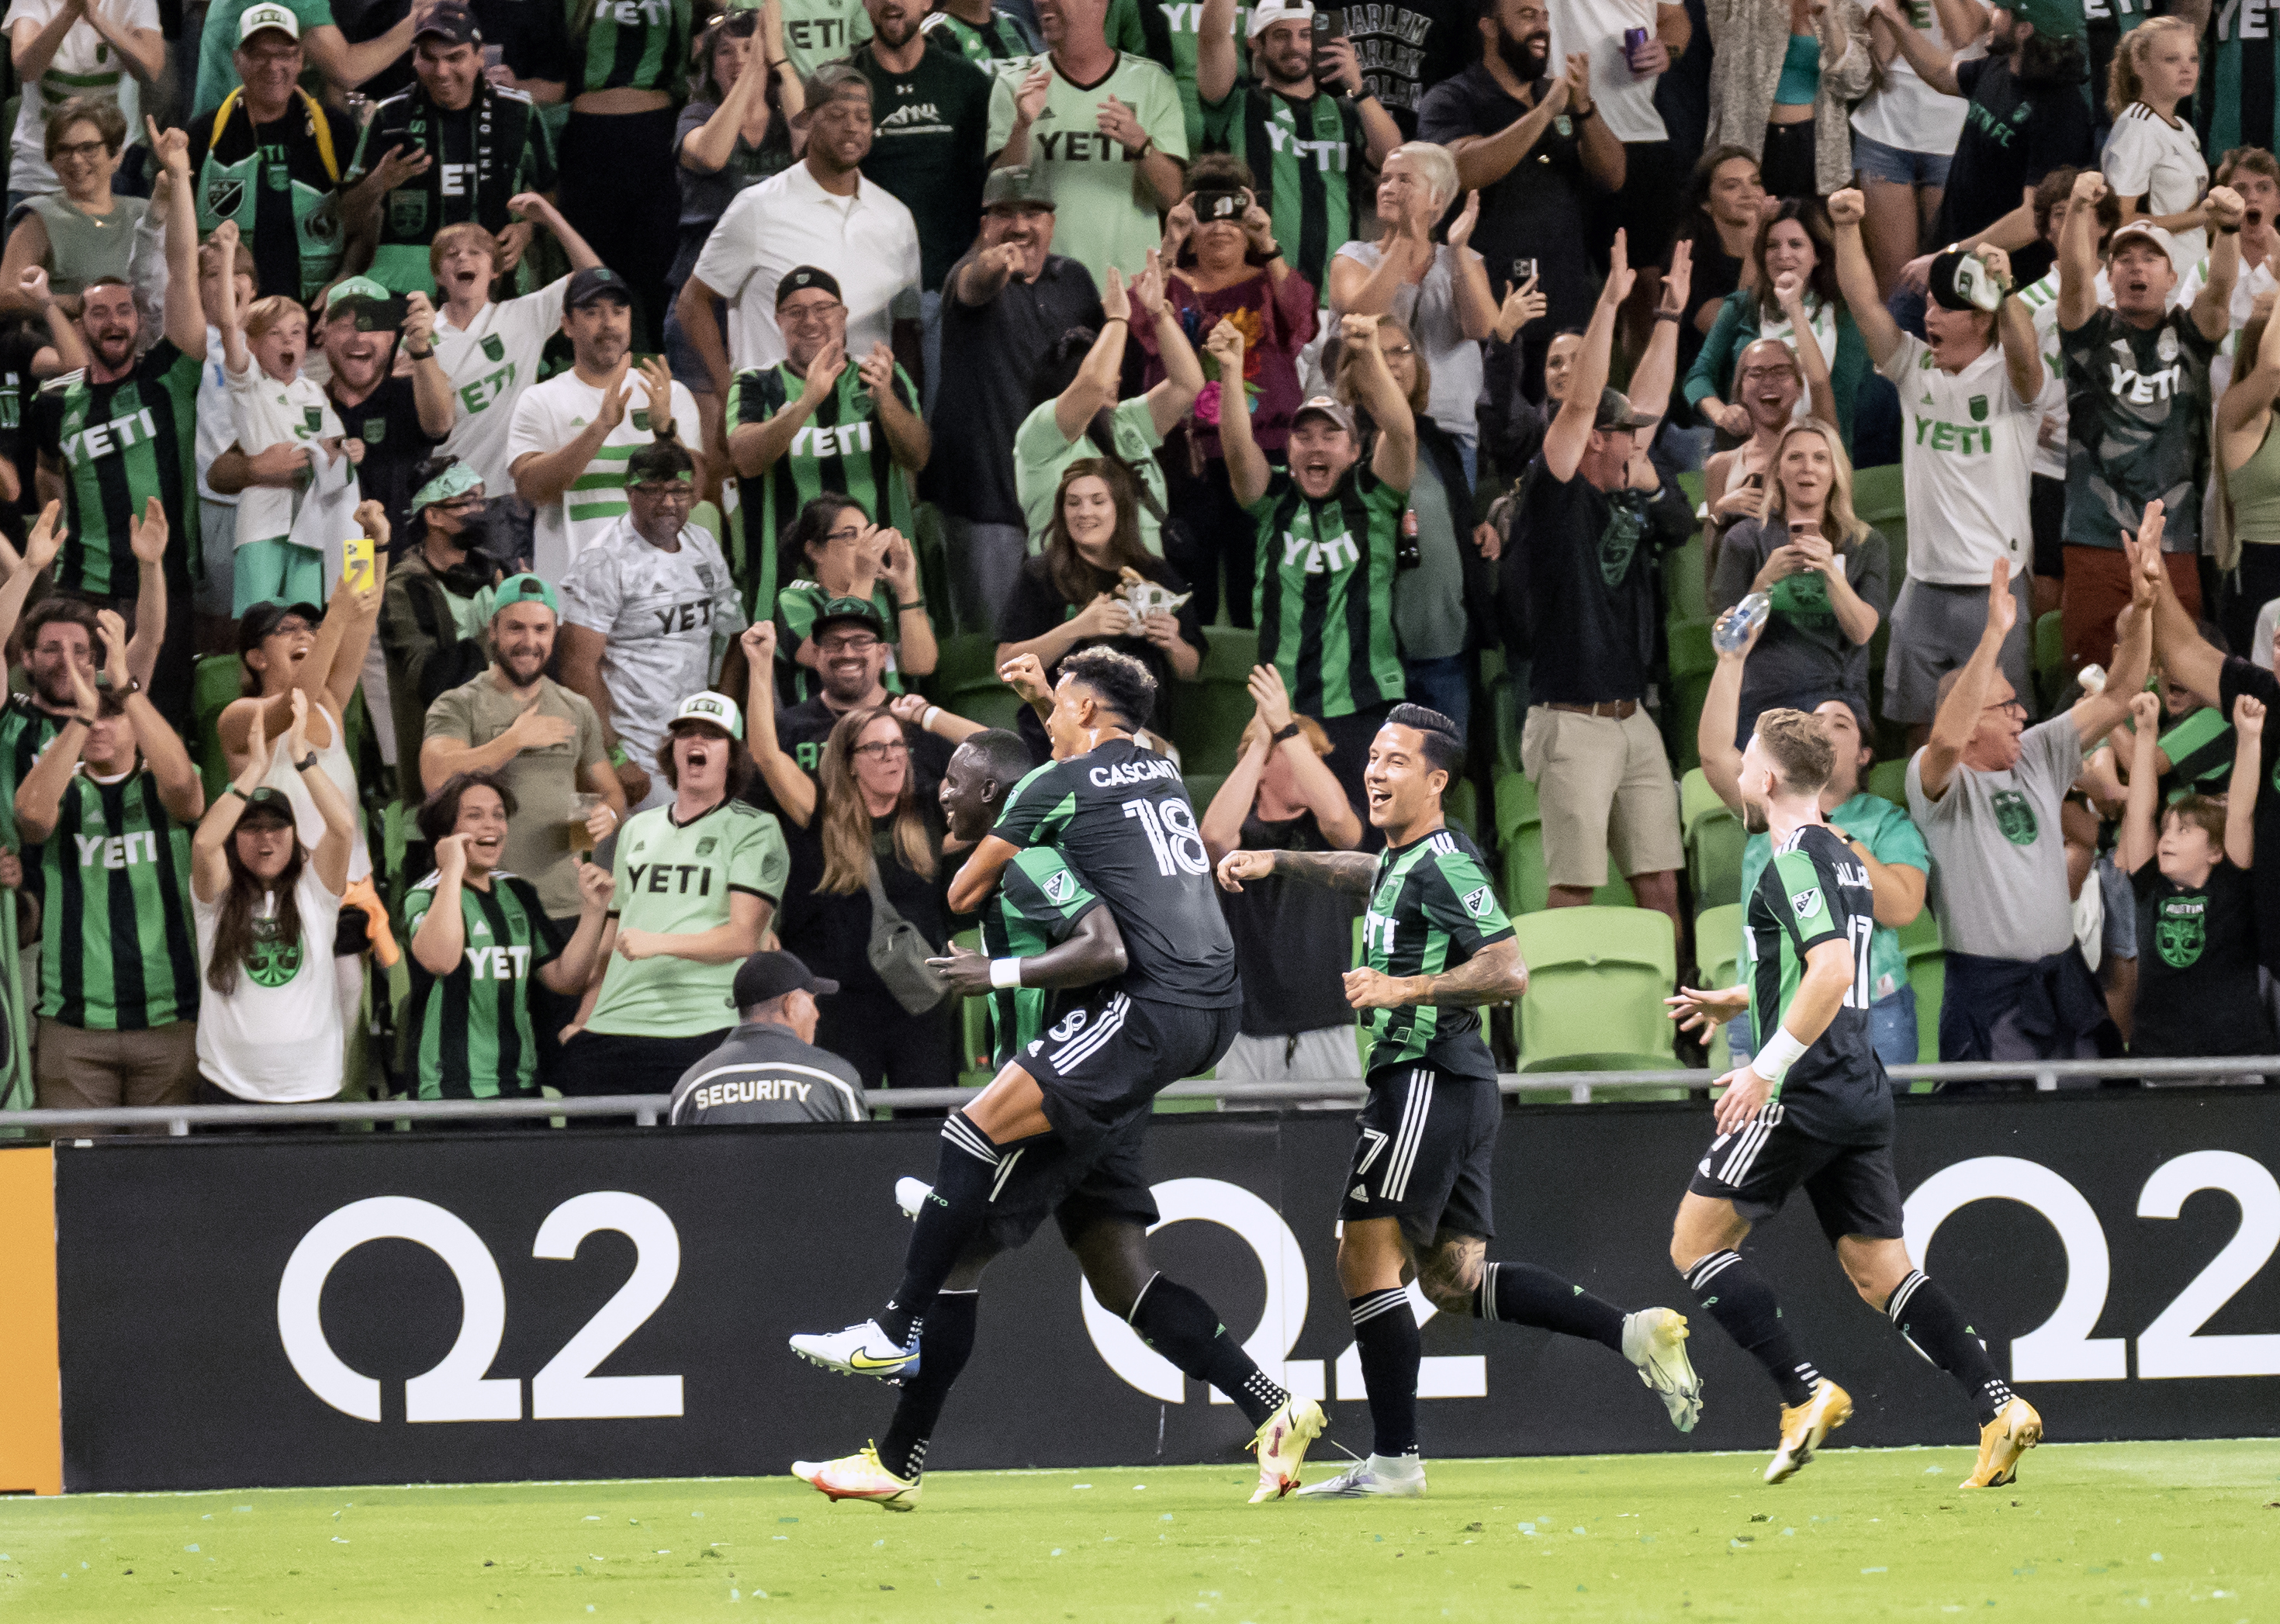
x,y
1281,1446
859,1350
910,1194
858,1477
1375,1478
1654,1339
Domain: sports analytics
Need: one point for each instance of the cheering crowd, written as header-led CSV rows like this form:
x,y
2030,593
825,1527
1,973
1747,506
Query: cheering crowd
x,y
506,506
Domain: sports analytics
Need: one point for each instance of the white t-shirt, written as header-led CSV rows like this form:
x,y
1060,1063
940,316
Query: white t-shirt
x,y
1905,112
1967,447
332,761
2255,282
276,1040
2158,160
868,240
663,612
1596,26
84,64
217,422
2041,299
1821,319
265,412
490,362
547,418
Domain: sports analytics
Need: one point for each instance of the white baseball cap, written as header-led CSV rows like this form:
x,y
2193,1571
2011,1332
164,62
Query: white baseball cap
x,y
1267,14
254,18
2157,236
714,709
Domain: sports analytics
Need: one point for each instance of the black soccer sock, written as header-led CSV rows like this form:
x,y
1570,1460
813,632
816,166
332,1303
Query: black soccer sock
x,y
1181,1326
1737,1297
1933,1324
943,1348
1385,1337
948,1220
1523,1294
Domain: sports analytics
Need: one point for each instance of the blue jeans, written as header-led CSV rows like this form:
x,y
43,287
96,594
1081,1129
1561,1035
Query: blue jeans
x,y
1445,684
1891,1028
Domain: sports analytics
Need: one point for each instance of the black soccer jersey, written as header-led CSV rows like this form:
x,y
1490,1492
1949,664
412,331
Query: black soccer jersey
x,y
26,730
1431,908
1816,890
1122,817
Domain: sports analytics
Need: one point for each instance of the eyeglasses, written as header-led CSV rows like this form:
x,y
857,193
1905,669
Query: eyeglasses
x,y
1398,351
809,315
686,495
884,749
849,532
82,148
462,504
292,626
860,643
1754,375
2008,707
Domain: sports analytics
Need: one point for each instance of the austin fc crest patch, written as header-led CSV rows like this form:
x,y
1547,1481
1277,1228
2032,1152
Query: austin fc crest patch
x,y
1479,902
494,348
704,846
1060,887
1979,408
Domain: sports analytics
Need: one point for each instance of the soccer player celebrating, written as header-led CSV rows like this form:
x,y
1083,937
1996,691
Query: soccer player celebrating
x,y
1812,1108
1120,815
1419,1188
1044,931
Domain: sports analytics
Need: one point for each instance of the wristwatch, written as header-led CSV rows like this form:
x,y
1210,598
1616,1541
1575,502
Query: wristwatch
x,y
421,354
1290,732
306,762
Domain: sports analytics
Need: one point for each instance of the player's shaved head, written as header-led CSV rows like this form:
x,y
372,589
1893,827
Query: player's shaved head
x,y
1797,749
1002,757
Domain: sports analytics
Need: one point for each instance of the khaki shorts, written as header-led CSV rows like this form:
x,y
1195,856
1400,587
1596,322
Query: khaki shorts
x,y
1603,785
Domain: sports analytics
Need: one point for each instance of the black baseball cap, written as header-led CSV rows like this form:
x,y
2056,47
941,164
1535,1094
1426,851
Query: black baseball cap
x,y
451,23
268,804
597,282
262,620
767,976
802,277
860,611
1616,412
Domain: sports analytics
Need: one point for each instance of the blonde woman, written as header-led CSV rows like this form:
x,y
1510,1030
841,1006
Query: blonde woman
x,y
2153,158
1826,572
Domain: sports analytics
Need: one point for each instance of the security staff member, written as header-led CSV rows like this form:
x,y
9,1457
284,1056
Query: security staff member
x,y
769,1070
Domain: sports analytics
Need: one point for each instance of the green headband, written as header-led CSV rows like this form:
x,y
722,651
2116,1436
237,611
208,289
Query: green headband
x,y
456,480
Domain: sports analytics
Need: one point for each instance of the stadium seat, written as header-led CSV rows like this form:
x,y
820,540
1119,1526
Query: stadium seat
x,y
1596,978
1921,945
706,516
1460,805
1715,839
1205,718
973,1067
1201,788
1890,779
2050,658
1692,659
1520,837
1718,950
964,682
1686,582
217,681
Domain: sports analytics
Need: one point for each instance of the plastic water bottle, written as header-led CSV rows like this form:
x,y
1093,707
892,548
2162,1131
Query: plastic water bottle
x,y
1732,634
2093,679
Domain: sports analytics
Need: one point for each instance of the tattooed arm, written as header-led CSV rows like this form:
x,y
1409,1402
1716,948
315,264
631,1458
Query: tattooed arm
x,y
1350,872
1495,974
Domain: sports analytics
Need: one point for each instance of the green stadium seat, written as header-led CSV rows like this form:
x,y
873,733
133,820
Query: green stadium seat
x,y
1890,779
1596,978
1718,950
974,1068
1692,660
1201,788
706,516
1921,945
1715,839
964,682
1686,582
1461,804
2050,657
1520,837
218,679
1205,718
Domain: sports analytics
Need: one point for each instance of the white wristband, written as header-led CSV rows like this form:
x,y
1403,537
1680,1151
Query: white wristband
x,y
1004,973
1780,1052
926,722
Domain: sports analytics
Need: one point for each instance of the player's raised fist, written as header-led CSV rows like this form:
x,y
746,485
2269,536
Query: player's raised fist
x,y
1236,866
1025,674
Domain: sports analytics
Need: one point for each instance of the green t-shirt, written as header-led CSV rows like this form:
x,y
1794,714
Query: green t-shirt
x,y
1039,901
1166,33
842,448
468,1036
819,31
121,444
1040,454
797,608
117,949
2200,748
1103,215
628,45
1310,162
1325,591
217,73
676,880
1892,838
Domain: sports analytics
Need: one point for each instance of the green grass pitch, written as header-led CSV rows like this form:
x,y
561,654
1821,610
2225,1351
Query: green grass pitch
x,y
2093,1531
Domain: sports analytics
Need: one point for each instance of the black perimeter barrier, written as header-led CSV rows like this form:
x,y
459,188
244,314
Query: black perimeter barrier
x,y
613,1304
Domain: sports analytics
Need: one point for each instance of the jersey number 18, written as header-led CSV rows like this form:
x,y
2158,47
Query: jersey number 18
x,y
1171,835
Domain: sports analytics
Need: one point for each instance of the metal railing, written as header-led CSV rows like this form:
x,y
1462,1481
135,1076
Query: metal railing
x,y
647,1109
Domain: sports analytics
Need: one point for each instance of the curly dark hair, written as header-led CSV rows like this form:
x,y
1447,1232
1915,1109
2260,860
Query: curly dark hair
x,y
1118,680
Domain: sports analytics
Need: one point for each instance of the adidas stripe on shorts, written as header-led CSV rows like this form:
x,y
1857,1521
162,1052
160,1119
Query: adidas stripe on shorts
x,y
1424,1152
1852,1187
1104,1062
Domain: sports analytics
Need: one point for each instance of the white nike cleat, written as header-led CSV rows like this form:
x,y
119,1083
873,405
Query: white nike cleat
x,y
1281,1446
1804,1426
910,1194
1654,1339
858,1477
1375,1478
859,1350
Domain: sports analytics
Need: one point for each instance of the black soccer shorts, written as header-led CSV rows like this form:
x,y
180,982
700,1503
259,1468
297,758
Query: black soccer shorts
x,y
1043,1176
1852,1187
1103,1064
1425,1151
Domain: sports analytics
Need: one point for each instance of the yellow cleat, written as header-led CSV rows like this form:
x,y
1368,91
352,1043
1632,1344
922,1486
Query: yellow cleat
x,y
2016,1429
1281,1447
1804,1426
858,1477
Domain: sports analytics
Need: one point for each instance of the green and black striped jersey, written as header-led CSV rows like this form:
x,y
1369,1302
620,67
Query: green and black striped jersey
x,y
1816,890
629,44
117,950
2200,748
1165,32
119,444
841,447
25,730
1432,906
1001,40
1325,591
1310,161
1039,901
468,1035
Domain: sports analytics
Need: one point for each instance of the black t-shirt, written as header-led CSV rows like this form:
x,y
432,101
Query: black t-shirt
x,y
1536,211
2014,134
2197,983
388,421
1294,942
931,147
989,353
1591,583
18,345
1405,47
2240,677
1716,275
831,931
802,730
1036,607
279,168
